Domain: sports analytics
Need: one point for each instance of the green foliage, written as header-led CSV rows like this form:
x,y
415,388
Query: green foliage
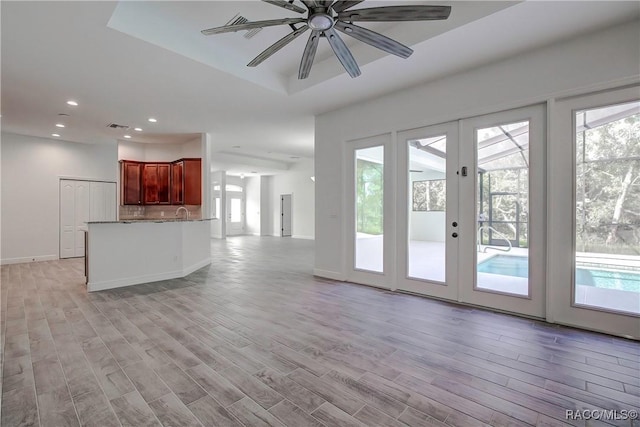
x,y
369,197
608,188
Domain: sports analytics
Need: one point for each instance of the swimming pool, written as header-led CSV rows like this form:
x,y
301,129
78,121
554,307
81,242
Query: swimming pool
x,y
518,266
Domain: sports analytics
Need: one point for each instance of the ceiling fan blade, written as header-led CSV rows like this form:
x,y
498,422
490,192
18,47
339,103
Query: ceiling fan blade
x,y
277,46
324,3
286,5
396,13
252,25
341,5
374,39
308,55
342,52
309,3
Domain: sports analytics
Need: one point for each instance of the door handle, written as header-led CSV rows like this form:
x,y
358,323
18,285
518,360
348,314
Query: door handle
x,y
454,235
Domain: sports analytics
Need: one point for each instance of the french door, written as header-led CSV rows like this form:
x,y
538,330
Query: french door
x,y
594,226
471,211
370,257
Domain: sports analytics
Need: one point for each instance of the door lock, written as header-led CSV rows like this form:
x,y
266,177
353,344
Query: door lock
x,y
455,224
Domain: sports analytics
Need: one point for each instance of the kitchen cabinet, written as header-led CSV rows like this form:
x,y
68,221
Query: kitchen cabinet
x,y
161,183
186,187
131,182
156,179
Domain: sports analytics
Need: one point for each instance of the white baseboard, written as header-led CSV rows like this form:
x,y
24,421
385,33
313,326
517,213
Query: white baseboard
x,y
147,278
303,237
197,266
23,260
334,275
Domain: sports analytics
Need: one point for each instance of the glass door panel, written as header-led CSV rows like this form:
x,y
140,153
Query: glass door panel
x,y
594,252
369,209
502,206
607,214
428,202
235,214
428,212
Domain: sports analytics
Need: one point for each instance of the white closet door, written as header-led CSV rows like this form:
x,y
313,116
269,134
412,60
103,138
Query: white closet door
x,y
97,211
82,213
80,202
67,218
110,201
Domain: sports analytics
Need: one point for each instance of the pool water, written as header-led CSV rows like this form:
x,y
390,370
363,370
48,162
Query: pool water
x,y
518,266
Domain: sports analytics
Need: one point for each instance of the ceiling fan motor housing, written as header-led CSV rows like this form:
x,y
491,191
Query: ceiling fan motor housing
x,y
320,21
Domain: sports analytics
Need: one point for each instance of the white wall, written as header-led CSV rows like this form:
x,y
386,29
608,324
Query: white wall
x,y
168,152
31,171
592,62
266,194
218,226
297,182
252,198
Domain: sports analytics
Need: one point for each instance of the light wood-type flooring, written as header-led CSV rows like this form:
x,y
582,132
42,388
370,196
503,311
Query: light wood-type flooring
x,y
256,340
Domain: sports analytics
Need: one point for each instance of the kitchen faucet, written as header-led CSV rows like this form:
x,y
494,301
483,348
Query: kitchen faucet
x,y
185,209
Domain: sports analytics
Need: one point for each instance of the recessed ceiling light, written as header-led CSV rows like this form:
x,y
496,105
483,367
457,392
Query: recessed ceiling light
x,y
55,134
72,103
128,136
138,129
59,125
152,120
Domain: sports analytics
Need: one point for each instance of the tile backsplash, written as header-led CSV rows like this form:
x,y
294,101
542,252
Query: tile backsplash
x,y
131,212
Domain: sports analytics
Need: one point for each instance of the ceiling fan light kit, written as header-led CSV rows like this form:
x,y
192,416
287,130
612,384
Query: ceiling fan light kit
x,y
325,17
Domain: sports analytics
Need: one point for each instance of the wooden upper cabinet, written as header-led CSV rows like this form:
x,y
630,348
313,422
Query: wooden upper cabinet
x,y
186,185
176,183
156,178
192,181
131,182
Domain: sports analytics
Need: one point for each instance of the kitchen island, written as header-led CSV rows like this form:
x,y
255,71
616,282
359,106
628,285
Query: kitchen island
x,y
124,253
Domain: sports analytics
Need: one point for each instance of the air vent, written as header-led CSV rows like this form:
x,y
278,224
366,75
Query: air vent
x,y
239,19
117,126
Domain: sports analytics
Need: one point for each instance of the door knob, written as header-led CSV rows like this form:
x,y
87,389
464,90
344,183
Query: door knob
x,y
454,235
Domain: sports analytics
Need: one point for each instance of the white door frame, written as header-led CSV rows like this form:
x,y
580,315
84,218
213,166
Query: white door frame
x,y
561,220
286,215
448,290
386,279
232,227
534,304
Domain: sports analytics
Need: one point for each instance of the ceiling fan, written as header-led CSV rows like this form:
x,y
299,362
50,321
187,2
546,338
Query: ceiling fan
x,y
324,17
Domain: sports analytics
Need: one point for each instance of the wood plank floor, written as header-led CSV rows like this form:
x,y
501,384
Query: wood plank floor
x,y
255,340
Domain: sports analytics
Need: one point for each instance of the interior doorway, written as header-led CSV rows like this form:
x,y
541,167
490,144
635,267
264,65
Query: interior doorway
x,y
285,215
235,212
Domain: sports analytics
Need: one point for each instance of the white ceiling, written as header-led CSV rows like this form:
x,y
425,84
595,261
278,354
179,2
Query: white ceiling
x,y
125,62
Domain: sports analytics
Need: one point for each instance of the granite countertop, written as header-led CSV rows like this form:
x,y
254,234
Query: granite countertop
x,y
159,220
